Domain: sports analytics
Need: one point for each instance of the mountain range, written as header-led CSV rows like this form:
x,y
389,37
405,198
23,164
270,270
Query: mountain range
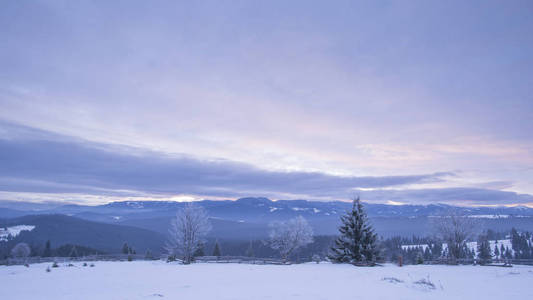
x,y
146,222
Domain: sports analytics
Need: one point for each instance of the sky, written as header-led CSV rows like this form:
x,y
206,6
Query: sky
x,y
401,102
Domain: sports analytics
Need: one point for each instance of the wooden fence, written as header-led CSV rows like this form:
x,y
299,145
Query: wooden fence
x,y
126,257
469,261
229,259
239,260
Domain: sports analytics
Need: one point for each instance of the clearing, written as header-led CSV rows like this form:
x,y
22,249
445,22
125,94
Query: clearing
x,y
160,280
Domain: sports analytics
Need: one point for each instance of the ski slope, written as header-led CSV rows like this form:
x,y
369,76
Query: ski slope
x,y
159,280
14,231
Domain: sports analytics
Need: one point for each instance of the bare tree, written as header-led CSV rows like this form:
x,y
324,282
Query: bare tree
x,y
21,250
455,230
187,231
288,236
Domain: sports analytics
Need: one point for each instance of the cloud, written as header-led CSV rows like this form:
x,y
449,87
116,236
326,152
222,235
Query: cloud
x,y
458,195
38,161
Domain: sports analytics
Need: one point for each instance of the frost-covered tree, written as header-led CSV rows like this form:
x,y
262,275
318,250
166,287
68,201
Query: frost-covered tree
x,y
186,231
216,250
455,230
357,242
250,250
21,250
286,237
73,252
316,258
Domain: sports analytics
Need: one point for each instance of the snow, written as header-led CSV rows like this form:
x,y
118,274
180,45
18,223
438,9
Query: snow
x,y
14,231
470,245
489,216
407,247
298,208
135,204
273,209
157,279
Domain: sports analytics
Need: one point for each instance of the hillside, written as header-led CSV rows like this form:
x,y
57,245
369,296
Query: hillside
x,y
61,229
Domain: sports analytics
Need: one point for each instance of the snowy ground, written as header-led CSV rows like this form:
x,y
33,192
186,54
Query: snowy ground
x,y
159,280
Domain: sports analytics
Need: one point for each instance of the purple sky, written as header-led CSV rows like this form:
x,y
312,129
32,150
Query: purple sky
x,y
398,101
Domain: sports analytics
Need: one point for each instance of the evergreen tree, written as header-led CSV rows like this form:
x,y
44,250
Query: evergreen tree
x,y
508,253
125,249
47,249
496,251
483,248
419,258
357,242
148,255
502,251
199,251
216,250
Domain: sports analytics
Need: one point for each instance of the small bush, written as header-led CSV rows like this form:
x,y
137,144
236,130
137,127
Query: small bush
x,y
48,270
55,265
392,279
85,264
70,265
92,265
316,258
27,265
425,282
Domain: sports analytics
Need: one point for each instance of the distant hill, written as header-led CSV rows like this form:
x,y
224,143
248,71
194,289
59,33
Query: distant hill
x,y
62,229
248,218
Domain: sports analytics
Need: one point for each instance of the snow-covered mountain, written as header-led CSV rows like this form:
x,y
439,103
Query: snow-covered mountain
x,y
249,217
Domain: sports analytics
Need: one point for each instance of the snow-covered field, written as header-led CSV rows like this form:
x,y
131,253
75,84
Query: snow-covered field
x,y
159,280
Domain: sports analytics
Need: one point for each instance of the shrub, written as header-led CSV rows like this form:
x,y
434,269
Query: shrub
x,y
55,265
425,282
316,258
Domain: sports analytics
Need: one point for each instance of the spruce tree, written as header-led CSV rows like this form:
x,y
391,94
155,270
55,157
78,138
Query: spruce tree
x,y
216,250
357,242
47,249
148,255
199,251
496,251
483,248
125,249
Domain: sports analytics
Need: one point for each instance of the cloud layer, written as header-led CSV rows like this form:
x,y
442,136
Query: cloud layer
x,y
56,164
41,162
